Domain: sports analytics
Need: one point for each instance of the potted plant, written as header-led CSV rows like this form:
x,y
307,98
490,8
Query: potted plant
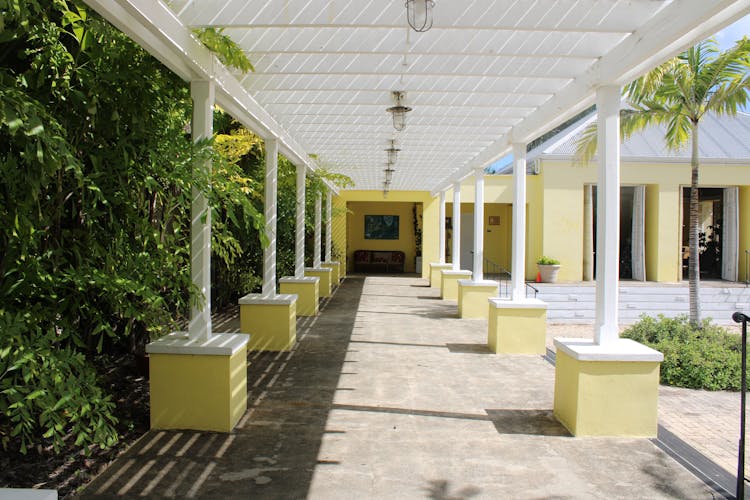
x,y
548,269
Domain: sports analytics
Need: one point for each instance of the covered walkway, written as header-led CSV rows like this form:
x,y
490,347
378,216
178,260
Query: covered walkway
x,y
387,394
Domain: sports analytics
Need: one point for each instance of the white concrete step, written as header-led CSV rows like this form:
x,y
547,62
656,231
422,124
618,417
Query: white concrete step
x,y
576,303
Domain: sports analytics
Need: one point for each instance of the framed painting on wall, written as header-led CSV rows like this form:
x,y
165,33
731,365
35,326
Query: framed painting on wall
x,y
381,227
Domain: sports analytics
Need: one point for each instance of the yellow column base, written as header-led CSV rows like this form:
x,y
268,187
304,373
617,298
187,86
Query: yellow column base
x,y
473,296
449,283
198,385
517,326
335,267
436,273
271,322
306,290
607,390
325,275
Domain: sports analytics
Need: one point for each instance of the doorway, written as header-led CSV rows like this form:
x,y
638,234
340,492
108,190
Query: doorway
x,y
717,232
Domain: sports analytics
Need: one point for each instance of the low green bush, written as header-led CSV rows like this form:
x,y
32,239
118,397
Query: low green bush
x,y
708,357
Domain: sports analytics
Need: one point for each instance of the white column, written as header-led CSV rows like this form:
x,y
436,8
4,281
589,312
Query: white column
x,y
318,229
329,226
202,93
456,243
299,228
608,215
441,229
518,257
478,273
269,253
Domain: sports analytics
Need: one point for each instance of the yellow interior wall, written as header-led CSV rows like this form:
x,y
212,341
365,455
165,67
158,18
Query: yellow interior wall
x,y
356,229
743,273
397,203
497,239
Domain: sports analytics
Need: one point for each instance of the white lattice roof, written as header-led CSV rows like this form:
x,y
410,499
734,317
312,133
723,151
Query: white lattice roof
x,y
488,72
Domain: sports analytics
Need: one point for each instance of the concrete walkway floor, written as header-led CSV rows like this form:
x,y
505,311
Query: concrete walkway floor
x,y
388,395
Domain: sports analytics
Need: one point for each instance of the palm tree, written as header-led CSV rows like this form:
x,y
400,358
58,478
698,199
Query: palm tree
x,y
678,94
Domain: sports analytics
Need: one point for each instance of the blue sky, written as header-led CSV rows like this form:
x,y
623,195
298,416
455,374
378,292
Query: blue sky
x,y
725,38
733,32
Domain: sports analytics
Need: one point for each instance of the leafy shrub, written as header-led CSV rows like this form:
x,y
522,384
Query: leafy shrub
x,y
48,389
708,357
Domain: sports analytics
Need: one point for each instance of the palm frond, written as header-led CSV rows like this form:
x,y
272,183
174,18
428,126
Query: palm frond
x,y
586,144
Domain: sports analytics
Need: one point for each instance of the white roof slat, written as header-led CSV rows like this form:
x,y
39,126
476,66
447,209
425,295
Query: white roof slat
x,y
487,71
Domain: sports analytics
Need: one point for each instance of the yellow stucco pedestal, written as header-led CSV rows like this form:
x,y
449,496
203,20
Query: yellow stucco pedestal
x,y
436,273
335,267
517,326
306,290
449,283
270,321
609,390
325,275
198,384
473,295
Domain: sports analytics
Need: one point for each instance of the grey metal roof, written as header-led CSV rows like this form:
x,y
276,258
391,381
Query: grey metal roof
x,y
722,138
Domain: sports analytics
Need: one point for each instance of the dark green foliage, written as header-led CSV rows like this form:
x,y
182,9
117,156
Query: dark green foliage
x,y
96,179
705,357
48,386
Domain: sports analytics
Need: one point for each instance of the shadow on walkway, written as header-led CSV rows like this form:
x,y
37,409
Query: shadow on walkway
x,y
273,452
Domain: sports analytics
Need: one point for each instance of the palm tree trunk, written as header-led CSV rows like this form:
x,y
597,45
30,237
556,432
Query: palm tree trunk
x,y
694,276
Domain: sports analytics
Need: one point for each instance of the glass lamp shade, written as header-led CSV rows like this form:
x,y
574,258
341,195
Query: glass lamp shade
x,y
388,175
392,155
399,116
419,14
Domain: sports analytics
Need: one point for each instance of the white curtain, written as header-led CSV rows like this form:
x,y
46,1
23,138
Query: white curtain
x,y
730,235
638,241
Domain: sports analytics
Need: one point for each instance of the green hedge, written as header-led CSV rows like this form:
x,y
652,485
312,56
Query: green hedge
x,y
697,358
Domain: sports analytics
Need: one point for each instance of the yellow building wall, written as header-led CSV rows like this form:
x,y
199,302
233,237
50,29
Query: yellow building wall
x,y
498,197
562,207
562,222
534,223
555,214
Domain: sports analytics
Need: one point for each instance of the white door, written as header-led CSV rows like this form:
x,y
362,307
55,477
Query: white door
x,y
467,242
